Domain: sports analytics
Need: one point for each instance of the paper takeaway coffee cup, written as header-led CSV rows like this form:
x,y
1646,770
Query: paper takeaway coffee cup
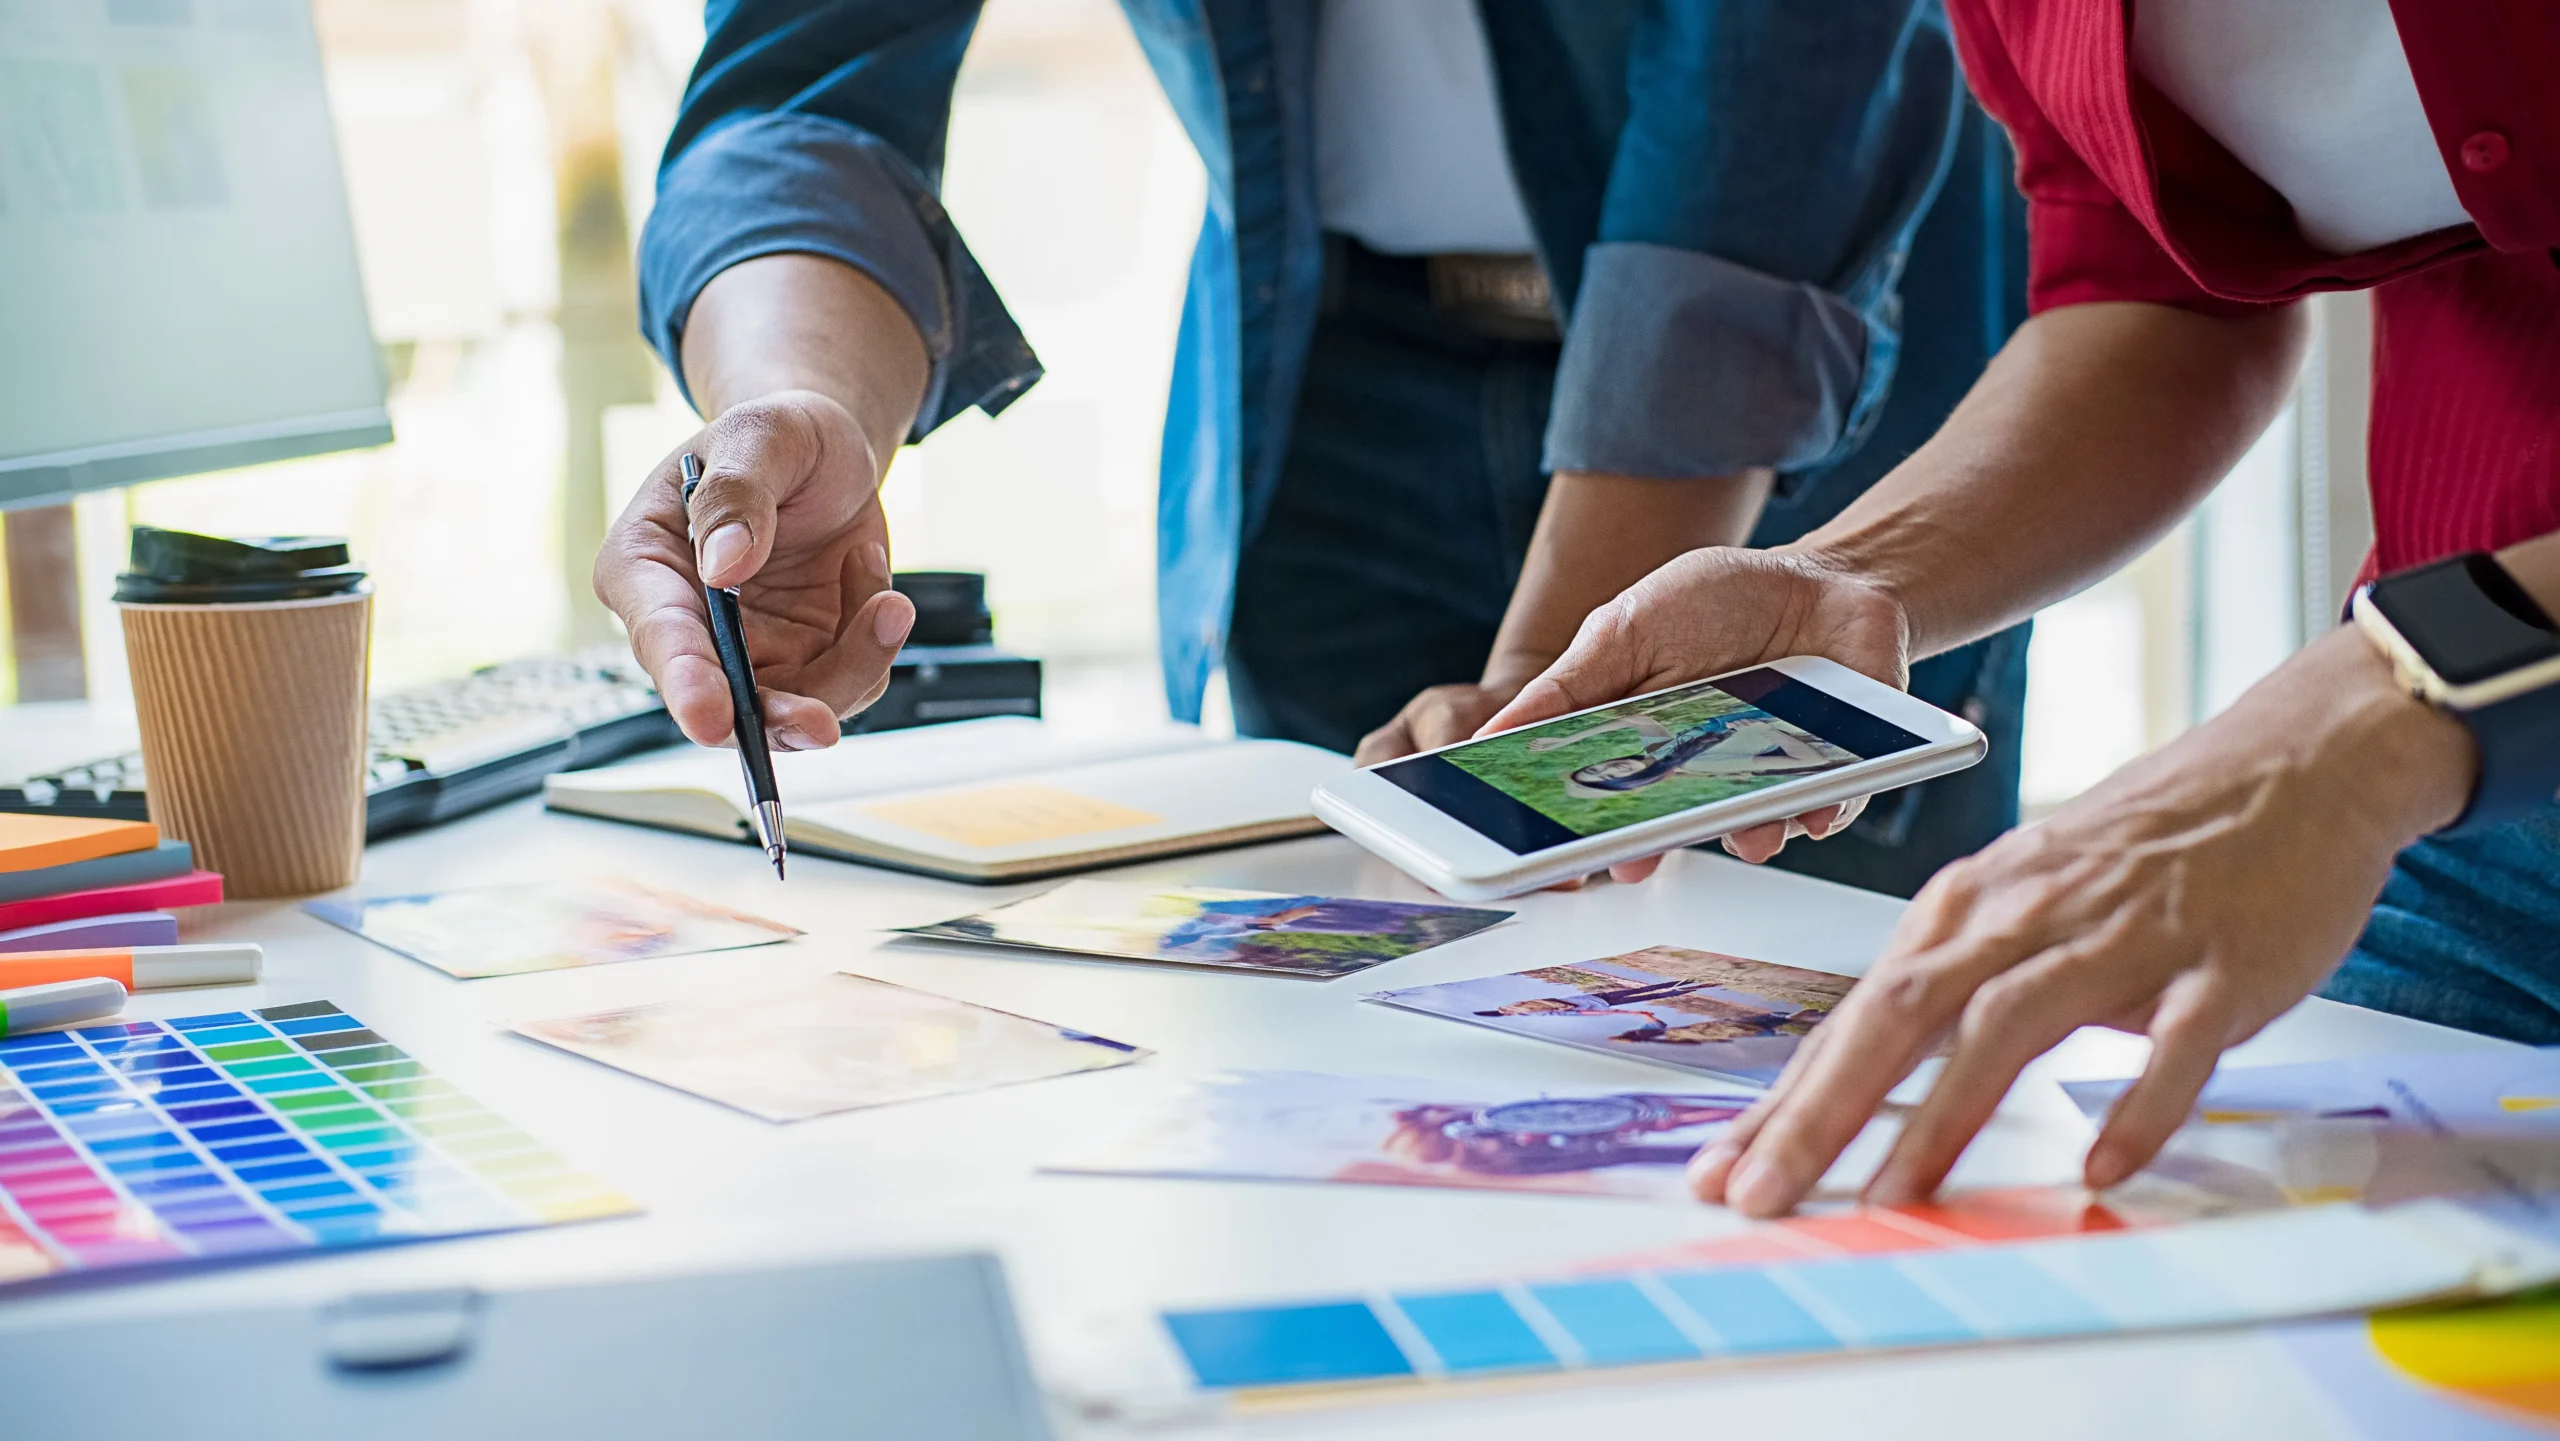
x,y
249,661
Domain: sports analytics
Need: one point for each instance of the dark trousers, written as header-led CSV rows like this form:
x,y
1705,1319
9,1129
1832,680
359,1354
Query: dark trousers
x,y
1398,529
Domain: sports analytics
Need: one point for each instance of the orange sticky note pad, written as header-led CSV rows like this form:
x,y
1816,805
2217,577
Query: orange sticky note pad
x,y
991,817
31,843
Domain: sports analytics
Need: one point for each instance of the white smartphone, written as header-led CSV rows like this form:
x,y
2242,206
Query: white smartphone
x,y
1509,813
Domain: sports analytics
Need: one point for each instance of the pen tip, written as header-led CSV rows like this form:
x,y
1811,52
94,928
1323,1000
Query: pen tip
x,y
777,867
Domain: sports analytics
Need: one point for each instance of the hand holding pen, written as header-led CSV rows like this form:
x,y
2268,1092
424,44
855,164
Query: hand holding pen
x,y
787,514
729,637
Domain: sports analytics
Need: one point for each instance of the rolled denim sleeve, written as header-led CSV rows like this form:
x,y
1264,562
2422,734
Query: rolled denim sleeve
x,y
817,129
1739,308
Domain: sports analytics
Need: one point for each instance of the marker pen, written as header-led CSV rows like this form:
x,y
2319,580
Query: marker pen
x,y
64,1002
137,968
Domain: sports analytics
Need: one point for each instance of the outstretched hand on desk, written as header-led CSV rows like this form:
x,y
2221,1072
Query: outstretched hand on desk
x,y
2195,895
1705,613
787,513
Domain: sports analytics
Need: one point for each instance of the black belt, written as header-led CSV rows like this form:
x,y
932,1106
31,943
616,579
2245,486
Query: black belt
x,y
1500,297
1503,296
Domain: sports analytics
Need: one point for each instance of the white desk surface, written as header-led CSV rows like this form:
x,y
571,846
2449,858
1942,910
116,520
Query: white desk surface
x,y
958,1172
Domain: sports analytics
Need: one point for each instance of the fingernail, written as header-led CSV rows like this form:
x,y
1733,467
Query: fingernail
x,y
724,548
1753,1187
1719,1154
892,624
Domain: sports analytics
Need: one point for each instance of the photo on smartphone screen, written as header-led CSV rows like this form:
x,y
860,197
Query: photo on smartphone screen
x,y
1654,756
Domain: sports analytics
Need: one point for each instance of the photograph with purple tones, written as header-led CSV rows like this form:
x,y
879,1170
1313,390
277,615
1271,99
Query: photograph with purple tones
x,y
1698,1010
1316,936
1391,1131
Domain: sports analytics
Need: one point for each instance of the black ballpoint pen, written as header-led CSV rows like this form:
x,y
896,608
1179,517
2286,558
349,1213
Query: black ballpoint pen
x,y
729,637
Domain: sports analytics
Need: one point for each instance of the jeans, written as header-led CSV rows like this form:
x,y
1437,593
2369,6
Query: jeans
x,y
2467,933
1402,517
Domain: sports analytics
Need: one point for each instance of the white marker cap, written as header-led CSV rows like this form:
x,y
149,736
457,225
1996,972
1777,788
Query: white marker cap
x,y
33,1008
206,965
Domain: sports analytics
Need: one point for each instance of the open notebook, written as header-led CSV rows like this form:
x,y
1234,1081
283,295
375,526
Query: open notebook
x,y
1002,799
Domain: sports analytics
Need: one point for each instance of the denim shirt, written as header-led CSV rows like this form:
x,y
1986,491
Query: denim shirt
x,y
1723,192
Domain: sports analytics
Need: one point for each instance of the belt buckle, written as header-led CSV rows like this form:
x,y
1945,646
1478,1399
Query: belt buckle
x,y
1504,297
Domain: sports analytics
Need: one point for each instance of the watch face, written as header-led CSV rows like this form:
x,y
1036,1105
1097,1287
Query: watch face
x,y
1597,1115
2467,618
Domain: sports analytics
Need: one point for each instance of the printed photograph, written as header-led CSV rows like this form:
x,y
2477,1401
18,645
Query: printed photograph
x,y
1315,936
1647,758
1699,1010
1391,1131
825,1044
510,930
2376,1129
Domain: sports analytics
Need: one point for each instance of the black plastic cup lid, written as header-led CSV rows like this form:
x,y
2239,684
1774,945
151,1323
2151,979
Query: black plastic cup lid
x,y
177,567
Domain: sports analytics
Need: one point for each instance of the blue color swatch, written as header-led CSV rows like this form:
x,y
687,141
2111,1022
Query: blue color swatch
x,y
1288,1344
1474,1331
1613,1322
2263,1268
1878,1303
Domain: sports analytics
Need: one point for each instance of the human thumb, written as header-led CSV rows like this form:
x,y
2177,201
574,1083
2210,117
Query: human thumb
x,y
1598,667
750,456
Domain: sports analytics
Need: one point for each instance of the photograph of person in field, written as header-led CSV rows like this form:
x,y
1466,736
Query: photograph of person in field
x,y
1745,743
1646,758
1701,1010
1319,937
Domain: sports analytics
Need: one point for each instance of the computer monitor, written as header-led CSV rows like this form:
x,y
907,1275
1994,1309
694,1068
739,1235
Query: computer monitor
x,y
178,281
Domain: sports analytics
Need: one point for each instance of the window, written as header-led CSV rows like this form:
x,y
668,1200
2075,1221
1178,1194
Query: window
x,y
499,156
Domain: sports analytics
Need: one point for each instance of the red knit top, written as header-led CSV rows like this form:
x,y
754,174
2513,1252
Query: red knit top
x,y
2130,200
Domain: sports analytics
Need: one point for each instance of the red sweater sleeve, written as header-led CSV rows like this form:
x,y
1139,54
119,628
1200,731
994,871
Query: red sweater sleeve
x,y
2084,243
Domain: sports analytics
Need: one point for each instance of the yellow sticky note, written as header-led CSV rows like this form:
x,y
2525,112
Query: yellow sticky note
x,y
2528,1103
994,816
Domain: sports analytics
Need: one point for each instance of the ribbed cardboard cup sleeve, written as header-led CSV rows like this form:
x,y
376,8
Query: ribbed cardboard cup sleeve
x,y
253,735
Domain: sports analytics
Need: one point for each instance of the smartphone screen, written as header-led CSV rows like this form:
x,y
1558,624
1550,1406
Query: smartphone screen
x,y
1566,780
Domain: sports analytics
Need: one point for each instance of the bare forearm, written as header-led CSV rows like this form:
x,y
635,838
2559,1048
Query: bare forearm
x,y
2093,431
804,322
1599,534
2536,566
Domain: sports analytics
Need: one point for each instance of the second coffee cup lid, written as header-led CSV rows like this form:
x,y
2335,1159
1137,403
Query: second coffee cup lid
x,y
177,566
185,555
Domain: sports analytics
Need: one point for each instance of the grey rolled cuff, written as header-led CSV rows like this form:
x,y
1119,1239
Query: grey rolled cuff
x,y
779,184
1678,364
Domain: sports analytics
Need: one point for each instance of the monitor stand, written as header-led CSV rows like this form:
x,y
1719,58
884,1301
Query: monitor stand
x,y
44,603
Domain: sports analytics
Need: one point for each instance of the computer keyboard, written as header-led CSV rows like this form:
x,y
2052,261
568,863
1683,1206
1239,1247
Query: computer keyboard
x,y
439,750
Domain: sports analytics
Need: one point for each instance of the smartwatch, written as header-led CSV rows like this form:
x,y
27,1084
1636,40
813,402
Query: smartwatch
x,y
2463,637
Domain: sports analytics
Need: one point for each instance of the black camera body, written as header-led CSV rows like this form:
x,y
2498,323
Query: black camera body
x,y
950,668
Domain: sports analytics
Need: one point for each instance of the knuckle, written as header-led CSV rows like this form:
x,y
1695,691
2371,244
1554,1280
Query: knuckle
x,y
1958,884
2001,1007
661,631
1909,991
1789,1144
728,492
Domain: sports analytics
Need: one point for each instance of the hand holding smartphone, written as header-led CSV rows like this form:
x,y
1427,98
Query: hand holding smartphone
x,y
1509,813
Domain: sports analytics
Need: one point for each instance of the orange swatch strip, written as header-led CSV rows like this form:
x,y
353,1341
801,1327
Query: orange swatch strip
x,y
2023,1213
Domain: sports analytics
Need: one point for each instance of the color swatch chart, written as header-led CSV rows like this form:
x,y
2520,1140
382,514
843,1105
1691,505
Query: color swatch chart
x,y
286,1129
2272,1266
